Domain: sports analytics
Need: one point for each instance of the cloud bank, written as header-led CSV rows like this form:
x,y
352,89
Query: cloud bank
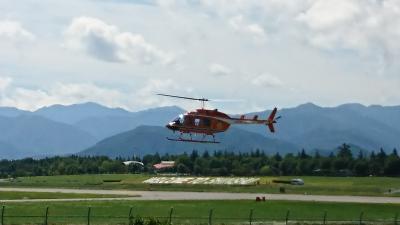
x,y
13,30
106,42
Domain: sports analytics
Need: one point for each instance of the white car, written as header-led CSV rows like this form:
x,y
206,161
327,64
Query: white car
x,y
297,181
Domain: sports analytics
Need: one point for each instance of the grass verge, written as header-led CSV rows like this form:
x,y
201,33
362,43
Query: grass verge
x,y
196,212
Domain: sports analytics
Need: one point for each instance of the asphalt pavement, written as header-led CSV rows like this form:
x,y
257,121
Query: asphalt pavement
x,y
166,195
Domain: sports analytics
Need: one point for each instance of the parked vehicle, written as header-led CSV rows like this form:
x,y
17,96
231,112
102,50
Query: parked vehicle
x,y
297,181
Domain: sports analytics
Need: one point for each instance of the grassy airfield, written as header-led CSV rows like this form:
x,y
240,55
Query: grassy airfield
x,y
362,186
196,212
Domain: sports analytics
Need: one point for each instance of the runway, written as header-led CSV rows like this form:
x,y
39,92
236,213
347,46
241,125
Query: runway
x,y
164,195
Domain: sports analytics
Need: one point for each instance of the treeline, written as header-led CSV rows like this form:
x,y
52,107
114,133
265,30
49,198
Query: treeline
x,y
218,163
343,163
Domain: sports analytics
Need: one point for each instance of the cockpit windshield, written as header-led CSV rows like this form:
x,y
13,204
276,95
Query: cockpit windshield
x,y
179,119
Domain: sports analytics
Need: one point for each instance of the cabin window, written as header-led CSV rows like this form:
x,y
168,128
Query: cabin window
x,y
179,119
197,122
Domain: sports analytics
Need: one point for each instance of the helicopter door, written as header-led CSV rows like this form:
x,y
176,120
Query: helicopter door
x,y
206,122
189,120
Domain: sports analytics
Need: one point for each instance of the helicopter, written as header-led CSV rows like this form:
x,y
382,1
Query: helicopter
x,y
208,122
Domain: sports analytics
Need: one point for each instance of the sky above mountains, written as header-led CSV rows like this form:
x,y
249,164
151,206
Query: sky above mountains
x,y
268,53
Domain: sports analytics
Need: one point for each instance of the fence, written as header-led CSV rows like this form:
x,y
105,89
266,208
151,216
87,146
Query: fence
x,y
89,218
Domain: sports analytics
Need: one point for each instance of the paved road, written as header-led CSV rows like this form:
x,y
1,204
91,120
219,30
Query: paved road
x,y
164,195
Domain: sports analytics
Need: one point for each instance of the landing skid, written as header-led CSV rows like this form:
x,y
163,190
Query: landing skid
x,y
191,140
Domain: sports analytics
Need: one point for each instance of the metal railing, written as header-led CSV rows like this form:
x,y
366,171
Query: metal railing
x,y
89,218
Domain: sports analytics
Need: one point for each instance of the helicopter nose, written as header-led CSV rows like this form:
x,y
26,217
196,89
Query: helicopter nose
x,y
171,126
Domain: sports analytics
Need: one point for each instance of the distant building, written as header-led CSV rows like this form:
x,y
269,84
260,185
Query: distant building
x,y
127,163
164,165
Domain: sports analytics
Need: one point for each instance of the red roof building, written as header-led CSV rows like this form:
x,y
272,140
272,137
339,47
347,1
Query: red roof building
x,y
164,165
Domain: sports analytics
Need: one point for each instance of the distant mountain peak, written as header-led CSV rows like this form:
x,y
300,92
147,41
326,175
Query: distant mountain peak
x,y
164,108
308,105
72,113
352,106
78,105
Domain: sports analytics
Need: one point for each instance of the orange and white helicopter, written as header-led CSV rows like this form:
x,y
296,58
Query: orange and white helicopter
x,y
208,122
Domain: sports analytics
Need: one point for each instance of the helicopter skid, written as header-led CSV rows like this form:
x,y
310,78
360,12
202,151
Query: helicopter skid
x,y
191,140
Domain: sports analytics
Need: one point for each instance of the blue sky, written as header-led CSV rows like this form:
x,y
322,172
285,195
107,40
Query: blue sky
x,y
266,53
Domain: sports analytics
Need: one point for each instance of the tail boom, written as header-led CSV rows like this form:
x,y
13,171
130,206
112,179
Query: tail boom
x,y
269,122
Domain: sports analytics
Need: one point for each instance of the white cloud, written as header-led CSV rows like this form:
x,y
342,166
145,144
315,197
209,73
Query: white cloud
x,y
240,25
14,31
219,70
359,39
367,27
267,80
107,43
147,94
4,83
329,14
31,99
72,93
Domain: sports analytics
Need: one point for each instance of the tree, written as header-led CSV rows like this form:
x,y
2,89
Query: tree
x,y
361,168
360,155
277,157
392,166
394,153
303,154
345,151
182,168
266,171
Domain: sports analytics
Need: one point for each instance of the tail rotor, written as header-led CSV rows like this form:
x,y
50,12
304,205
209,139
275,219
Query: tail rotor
x,y
271,120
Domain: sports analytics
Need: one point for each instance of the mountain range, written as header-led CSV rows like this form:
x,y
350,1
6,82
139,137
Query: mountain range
x,y
312,127
90,128
151,139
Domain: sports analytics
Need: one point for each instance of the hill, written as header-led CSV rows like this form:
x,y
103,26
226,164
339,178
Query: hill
x,y
151,139
105,126
30,135
11,111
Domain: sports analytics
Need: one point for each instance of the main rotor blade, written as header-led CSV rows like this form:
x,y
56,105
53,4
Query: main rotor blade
x,y
189,98
227,100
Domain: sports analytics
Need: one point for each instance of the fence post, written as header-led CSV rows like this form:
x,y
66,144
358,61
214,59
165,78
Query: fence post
x,y
46,215
361,217
2,214
325,214
210,217
251,216
88,216
170,215
130,217
287,217
395,218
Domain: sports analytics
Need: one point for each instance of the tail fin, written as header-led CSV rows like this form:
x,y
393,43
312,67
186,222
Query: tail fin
x,y
271,120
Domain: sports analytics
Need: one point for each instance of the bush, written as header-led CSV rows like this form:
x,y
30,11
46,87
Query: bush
x,y
138,221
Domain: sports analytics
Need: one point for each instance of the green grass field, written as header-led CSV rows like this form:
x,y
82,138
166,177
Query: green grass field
x,y
370,186
10,195
195,212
